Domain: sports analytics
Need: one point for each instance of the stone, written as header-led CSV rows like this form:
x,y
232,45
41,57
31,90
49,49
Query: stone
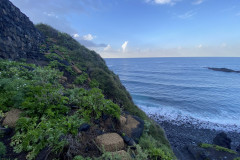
x,y
122,120
63,79
134,127
76,69
11,118
6,131
121,154
238,149
43,154
84,127
129,141
110,142
222,140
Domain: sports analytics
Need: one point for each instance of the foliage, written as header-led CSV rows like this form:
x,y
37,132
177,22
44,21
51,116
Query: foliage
x,y
218,148
92,103
156,153
44,100
15,79
2,149
32,136
80,80
94,84
140,154
80,158
154,149
238,158
54,56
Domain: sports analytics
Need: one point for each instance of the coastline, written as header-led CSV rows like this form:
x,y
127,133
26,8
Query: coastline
x,y
186,134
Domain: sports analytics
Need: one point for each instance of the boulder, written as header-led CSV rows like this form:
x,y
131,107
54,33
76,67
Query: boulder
x,y
133,127
129,141
222,140
11,118
238,149
122,121
76,69
121,154
110,142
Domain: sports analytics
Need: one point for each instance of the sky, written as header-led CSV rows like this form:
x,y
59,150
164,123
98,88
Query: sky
x,y
144,28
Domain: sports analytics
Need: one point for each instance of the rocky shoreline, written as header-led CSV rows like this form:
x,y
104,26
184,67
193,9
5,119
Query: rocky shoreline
x,y
184,135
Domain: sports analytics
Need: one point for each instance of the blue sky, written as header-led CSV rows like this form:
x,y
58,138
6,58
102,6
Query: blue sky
x,y
144,28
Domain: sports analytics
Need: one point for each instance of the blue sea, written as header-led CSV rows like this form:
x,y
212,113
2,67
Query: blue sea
x,y
183,90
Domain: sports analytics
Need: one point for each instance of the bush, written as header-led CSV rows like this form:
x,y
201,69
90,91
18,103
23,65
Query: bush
x,y
80,80
44,100
2,149
32,136
80,158
92,104
218,148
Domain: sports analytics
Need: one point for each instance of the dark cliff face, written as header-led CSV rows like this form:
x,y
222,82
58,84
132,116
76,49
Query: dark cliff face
x,y
18,36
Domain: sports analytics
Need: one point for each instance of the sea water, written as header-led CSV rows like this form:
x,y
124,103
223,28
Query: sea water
x,y
184,90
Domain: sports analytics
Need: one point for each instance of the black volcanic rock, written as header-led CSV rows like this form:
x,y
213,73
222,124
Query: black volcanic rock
x,y
222,140
223,70
18,36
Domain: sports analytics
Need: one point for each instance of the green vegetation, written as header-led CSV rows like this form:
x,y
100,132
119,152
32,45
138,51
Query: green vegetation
x,y
2,149
238,158
92,64
218,148
47,117
80,80
154,149
45,104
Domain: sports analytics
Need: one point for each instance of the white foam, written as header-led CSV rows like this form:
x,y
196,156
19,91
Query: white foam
x,y
183,118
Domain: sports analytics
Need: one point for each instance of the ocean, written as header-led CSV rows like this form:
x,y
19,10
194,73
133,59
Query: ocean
x,y
184,90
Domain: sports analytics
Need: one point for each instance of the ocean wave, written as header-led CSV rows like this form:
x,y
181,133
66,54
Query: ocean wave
x,y
180,118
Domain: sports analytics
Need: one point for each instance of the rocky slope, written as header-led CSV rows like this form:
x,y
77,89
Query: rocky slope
x,y
18,37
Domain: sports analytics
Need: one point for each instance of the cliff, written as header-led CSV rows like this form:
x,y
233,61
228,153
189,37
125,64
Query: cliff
x,y
18,37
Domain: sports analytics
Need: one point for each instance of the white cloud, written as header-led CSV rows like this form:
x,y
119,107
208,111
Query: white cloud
x,y
76,35
197,2
50,14
187,15
88,37
162,2
107,48
200,46
124,46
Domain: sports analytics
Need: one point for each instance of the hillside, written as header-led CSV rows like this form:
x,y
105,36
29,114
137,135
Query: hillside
x,y
58,99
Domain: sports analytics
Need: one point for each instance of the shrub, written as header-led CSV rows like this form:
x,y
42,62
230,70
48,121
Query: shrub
x,y
218,148
2,149
92,103
81,158
95,105
46,100
94,84
32,136
80,80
